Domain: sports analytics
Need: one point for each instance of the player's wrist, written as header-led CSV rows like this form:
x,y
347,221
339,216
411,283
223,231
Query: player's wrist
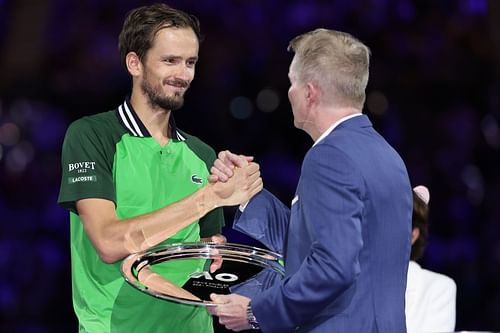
x,y
206,200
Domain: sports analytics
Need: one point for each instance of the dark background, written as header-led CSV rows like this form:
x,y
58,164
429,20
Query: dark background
x,y
433,94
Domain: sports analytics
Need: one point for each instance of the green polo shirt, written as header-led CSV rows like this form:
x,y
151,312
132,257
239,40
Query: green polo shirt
x,y
111,155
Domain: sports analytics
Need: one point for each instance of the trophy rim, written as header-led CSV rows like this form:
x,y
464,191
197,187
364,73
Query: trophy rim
x,y
135,262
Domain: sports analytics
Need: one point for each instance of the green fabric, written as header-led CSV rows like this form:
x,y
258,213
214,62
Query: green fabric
x,y
88,151
102,160
213,222
148,177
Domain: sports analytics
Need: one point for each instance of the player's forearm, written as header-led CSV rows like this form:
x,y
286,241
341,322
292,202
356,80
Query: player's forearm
x,y
142,232
153,228
139,233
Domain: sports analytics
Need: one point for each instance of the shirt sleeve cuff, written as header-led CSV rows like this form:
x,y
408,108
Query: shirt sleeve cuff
x,y
243,206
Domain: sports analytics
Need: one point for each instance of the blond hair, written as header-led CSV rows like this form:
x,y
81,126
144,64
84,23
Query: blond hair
x,y
336,61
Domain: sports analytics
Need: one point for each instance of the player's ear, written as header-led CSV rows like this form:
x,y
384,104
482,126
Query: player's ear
x,y
134,64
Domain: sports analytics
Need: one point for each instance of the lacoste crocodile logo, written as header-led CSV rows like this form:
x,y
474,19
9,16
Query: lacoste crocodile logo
x,y
197,180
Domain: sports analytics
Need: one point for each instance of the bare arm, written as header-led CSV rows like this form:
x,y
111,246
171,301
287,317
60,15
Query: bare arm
x,y
114,239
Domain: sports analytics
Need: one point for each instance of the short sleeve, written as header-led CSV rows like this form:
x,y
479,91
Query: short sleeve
x,y
87,164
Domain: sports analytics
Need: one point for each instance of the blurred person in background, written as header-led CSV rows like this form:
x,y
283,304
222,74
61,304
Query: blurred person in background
x,y
132,180
347,235
430,296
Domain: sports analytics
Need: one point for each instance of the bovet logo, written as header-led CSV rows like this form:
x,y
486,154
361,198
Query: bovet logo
x,y
81,167
197,180
83,172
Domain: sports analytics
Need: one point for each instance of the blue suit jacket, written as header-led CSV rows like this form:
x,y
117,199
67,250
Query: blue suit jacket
x,y
347,241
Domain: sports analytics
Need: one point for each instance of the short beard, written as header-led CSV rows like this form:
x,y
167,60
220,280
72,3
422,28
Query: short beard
x,y
157,101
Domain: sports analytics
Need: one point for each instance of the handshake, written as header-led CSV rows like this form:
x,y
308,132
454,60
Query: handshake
x,y
234,179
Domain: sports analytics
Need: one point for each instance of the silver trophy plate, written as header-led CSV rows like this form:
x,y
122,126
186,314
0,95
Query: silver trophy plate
x,y
180,272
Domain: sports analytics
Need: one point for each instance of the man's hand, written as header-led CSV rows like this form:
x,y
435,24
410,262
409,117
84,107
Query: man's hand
x,y
216,260
231,310
217,238
223,166
243,185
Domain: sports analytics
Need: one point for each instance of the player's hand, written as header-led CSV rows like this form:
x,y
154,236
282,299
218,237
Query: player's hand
x,y
223,166
243,185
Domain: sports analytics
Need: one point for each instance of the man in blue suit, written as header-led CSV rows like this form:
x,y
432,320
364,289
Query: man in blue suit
x,y
347,234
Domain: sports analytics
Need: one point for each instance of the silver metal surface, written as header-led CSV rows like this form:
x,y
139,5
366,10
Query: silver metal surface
x,y
247,255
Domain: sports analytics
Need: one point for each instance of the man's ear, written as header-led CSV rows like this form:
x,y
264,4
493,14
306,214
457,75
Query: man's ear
x,y
312,94
134,64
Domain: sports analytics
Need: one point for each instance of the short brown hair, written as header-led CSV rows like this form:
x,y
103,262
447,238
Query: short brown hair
x,y
142,24
333,59
420,220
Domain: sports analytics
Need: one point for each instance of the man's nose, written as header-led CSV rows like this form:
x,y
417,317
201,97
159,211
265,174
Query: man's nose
x,y
184,72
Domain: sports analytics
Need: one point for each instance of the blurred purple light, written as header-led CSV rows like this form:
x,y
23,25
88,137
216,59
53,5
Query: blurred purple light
x,y
474,7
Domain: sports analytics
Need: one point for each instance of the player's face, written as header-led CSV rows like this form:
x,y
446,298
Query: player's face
x,y
169,67
296,95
